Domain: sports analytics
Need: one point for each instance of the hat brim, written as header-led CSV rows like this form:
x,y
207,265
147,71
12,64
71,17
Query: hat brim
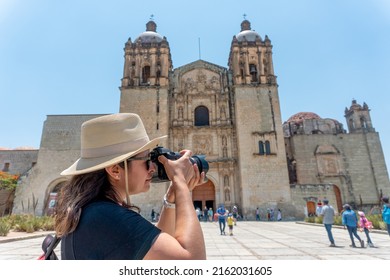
x,y
86,165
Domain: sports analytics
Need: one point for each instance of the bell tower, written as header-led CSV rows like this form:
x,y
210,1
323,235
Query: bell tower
x,y
262,157
358,118
250,58
144,88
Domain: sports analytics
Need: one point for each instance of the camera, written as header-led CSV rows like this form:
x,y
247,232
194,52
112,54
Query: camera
x,y
161,175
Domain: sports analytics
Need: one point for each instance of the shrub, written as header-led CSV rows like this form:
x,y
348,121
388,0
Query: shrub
x,y
318,220
310,219
5,227
25,223
8,181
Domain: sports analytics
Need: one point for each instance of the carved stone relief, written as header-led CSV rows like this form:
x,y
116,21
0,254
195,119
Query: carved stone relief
x,y
202,144
200,81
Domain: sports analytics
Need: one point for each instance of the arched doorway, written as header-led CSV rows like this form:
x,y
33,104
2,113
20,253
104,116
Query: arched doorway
x,y
311,208
204,195
337,194
51,201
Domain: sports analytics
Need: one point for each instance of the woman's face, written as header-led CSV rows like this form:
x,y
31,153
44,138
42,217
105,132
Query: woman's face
x,y
140,172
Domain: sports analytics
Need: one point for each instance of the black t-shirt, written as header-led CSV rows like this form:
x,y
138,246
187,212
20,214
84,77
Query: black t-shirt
x,y
108,231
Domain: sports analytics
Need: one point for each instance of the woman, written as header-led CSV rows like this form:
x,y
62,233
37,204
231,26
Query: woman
x,y
349,220
95,218
365,225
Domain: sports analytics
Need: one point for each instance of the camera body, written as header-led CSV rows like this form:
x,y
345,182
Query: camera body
x,y
161,175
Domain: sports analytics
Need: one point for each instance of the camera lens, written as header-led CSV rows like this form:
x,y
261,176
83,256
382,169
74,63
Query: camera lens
x,y
202,163
160,174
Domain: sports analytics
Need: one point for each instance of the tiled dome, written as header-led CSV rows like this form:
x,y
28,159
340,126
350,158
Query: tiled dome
x,y
300,117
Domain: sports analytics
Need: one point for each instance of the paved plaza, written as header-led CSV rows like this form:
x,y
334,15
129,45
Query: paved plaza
x,y
251,241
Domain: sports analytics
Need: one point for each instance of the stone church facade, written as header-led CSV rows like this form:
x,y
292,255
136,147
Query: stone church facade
x,y
231,115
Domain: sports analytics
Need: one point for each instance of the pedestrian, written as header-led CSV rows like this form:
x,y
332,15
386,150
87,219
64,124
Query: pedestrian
x,y
222,219
95,218
327,213
268,214
235,214
153,215
198,213
279,215
365,225
210,213
271,214
257,214
205,213
386,212
319,209
230,222
349,221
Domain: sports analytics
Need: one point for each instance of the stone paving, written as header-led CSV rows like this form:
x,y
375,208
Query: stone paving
x,y
251,241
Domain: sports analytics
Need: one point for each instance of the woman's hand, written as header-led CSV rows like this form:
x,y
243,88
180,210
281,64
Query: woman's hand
x,y
182,168
196,180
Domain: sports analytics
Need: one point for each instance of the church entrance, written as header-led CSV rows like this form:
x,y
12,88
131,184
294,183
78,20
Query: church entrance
x,y
204,195
51,201
311,208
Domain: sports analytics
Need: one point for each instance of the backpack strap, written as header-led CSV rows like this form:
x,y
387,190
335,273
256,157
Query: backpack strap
x,y
48,246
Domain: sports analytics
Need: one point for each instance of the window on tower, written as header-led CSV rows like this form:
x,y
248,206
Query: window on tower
x,y
253,72
202,116
363,123
267,148
6,167
264,148
145,74
261,148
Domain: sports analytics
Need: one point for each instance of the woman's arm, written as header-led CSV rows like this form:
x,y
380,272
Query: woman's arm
x,y
182,236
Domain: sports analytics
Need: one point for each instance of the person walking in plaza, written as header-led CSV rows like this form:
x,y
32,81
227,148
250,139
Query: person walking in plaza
x,y
94,204
222,219
319,209
279,215
349,220
205,214
365,225
230,223
386,212
327,213
235,214
210,214
257,214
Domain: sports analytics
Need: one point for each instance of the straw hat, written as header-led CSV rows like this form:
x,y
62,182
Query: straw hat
x,y
110,139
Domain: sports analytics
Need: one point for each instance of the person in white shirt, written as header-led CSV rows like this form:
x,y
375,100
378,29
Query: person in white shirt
x,y
327,213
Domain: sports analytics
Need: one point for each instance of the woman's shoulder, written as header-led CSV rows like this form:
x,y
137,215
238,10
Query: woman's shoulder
x,y
108,207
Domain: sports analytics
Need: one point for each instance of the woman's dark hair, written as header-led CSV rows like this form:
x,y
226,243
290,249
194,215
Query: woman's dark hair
x,y
78,192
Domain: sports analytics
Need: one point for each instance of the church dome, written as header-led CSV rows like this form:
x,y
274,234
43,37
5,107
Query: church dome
x,y
246,33
300,117
150,35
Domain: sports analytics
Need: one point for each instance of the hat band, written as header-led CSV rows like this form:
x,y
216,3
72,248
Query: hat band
x,y
125,147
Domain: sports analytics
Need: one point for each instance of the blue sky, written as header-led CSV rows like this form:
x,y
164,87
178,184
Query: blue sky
x,y
66,57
